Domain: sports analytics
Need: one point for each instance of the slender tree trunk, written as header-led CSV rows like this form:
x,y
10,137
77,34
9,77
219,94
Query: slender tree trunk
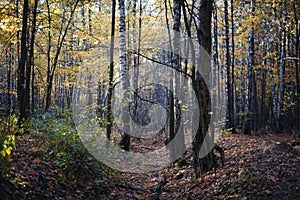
x,y
233,89
250,81
215,65
281,70
135,57
180,146
9,80
83,16
52,66
31,59
90,20
171,115
111,71
263,97
254,104
170,92
241,93
125,138
229,113
218,84
272,84
48,92
297,49
23,104
297,64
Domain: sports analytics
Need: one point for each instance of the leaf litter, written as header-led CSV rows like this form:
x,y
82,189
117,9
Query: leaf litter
x,y
255,167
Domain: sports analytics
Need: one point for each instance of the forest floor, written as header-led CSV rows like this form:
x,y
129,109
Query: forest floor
x,y
256,167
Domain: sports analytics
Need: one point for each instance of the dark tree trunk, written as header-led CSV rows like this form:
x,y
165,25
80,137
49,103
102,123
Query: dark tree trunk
x,y
297,65
90,20
111,71
31,60
23,104
8,72
263,100
175,112
250,81
229,113
233,88
171,116
206,163
254,106
281,71
272,85
241,94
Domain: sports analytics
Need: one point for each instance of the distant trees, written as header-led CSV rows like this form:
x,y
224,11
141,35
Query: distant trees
x,y
23,51
262,40
52,60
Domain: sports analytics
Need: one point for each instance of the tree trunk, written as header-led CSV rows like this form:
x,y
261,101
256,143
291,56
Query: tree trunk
x,y
111,71
52,67
241,93
125,138
229,113
249,93
297,64
254,106
281,71
23,104
31,59
263,101
90,20
8,72
206,163
273,97
233,88
175,110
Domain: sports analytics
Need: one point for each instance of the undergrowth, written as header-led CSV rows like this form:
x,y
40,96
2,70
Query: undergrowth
x,y
63,143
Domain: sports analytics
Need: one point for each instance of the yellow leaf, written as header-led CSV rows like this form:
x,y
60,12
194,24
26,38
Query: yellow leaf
x,y
200,179
138,196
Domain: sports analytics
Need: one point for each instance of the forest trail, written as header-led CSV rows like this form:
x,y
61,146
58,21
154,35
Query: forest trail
x,y
256,167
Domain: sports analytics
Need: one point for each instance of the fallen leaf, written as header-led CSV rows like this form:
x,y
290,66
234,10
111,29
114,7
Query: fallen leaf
x,y
268,192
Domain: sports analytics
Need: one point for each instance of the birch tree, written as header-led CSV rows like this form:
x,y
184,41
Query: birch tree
x,y
125,140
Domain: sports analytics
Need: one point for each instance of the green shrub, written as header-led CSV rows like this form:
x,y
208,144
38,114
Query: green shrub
x,y
63,141
8,127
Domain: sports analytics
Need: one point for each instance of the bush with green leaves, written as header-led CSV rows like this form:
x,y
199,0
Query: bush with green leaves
x,y
63,141
8,127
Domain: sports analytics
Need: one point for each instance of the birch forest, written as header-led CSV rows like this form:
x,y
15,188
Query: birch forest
x,y
157,99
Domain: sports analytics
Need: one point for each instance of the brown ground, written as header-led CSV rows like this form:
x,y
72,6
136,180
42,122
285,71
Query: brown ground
x,y
256,167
